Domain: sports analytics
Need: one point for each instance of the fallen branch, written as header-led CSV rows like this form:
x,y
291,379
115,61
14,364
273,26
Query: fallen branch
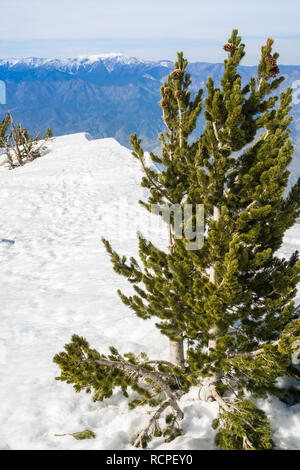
x,y
138,441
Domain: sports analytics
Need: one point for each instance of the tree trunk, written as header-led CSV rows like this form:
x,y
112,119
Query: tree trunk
x,y
177,353
176,347
212,342
205,391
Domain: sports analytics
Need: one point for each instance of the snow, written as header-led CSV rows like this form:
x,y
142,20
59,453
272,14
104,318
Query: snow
x,y
56,280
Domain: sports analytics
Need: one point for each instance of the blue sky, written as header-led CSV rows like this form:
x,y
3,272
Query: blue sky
x,y
153,29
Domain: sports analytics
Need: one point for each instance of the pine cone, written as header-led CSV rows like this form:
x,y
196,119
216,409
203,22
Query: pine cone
x,y
269,59
163,103
167,91
274,71
179,94
229,47
177,73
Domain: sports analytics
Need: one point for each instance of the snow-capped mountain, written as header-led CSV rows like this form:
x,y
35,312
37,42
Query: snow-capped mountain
x,y
110,61
56,280
108,95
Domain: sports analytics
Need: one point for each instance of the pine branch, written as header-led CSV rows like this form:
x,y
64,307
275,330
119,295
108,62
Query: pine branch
x,y
144,373
219,399
261,350
151,181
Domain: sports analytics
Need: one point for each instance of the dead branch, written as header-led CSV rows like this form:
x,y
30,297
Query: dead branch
x,y
152,421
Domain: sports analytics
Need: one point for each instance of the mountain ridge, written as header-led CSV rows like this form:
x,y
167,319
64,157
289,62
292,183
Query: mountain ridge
x,y
107,95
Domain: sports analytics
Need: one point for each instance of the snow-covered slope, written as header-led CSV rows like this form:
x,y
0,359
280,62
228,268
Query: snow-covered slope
x,y
56,280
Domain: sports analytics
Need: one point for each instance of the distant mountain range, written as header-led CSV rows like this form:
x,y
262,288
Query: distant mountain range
x,y
108,95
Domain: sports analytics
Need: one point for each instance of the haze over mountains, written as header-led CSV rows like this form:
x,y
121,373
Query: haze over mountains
x,y
108,95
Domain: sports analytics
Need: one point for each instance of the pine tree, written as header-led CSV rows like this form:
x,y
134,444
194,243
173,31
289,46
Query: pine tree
x,y
48,134
20,147
246,322
231,301
244,306
4,126
164,276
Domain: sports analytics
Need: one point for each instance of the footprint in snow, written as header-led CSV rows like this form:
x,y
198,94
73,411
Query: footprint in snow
x,y
8,242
